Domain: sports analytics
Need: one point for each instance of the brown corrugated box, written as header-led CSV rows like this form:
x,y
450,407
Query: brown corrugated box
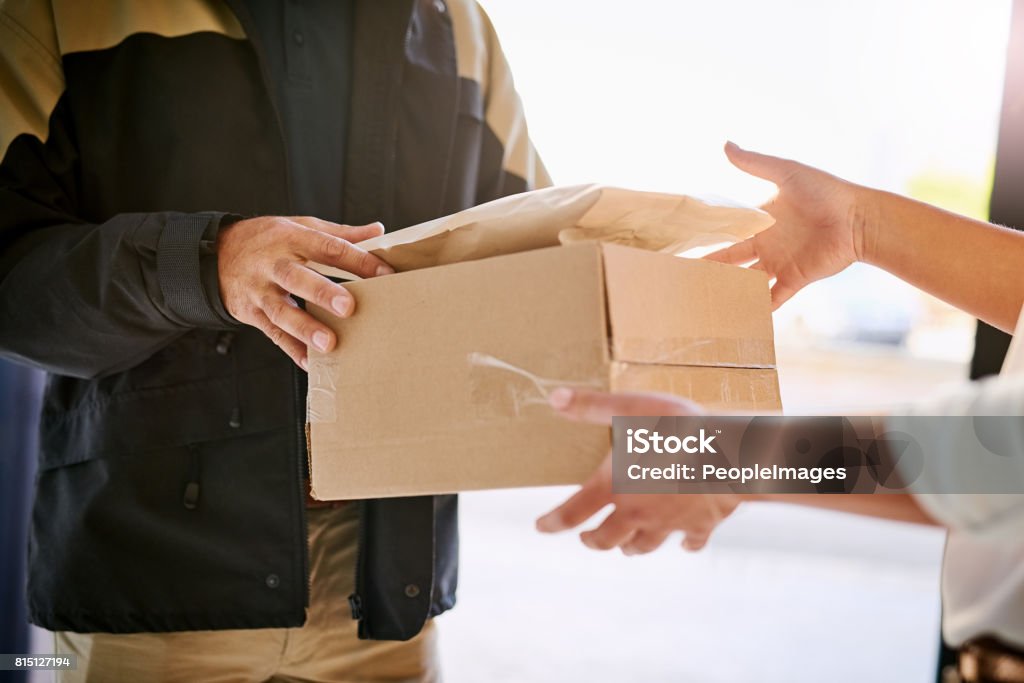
x,y
439,382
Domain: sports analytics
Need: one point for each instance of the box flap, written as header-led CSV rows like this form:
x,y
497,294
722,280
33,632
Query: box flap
x,y
673,311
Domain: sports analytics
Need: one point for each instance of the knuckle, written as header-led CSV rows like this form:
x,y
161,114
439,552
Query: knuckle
x,y
365,260
565,515
636,514
278,229
253,281
334,247
306,329
571,519
284,273
234,305
571,515
323,293
276,335
275,310
788,170
250,312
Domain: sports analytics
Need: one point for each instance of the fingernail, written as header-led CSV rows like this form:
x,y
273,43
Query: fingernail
x,y
384,269
342,305
560,398
546,524
380,226
320,340
304,363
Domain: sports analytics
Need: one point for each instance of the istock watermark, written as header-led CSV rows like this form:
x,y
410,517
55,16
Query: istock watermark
x,y
777,454
645,441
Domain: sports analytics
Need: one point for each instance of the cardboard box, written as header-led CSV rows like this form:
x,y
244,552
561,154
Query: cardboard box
x,y
439,381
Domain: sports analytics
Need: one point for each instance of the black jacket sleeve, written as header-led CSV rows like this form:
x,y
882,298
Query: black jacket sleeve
x,y
86,298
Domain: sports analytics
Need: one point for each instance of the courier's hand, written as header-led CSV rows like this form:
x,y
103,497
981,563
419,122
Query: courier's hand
x,y
819,224
264,262
638,523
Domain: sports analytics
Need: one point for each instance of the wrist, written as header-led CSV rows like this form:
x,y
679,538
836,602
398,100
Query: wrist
x,y
864,222
211,266
863,225
226,227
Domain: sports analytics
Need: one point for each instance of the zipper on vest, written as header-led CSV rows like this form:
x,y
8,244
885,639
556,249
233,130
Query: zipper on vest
x,y
256,40
190,498
301,479
355,601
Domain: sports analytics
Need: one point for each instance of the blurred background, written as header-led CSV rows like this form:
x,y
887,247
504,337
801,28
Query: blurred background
x,y
903,96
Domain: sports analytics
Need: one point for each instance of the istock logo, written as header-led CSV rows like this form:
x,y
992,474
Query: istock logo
x,y
645,441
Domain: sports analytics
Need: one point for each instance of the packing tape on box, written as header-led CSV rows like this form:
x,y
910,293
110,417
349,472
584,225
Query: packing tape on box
x,y
738,352
321,399
717,387
499,388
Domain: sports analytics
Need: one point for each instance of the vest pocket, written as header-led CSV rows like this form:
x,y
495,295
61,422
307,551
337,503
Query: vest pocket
x,y
181,539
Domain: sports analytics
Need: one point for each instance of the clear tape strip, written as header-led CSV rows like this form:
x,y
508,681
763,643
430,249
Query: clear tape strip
x,y
321,402
543,385
739,352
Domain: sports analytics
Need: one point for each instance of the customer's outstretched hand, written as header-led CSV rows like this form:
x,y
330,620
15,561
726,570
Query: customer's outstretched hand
x,y
639,523
819,224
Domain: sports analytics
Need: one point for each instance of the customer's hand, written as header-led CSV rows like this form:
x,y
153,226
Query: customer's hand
x,y
639,523
264,262
820,224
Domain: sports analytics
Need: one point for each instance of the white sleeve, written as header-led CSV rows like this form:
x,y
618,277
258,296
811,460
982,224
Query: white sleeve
x,y
972,474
